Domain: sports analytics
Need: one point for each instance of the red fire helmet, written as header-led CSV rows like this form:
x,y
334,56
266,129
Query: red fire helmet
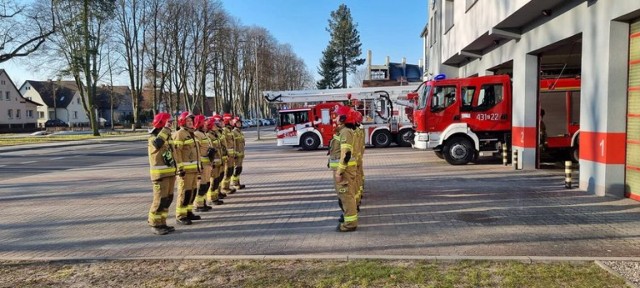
x,y
161,119
210,123
226,118
198,121
182,119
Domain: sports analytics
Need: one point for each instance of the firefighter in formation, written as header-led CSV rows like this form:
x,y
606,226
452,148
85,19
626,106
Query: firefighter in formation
x,y
358,151
343,162
201,157
163,173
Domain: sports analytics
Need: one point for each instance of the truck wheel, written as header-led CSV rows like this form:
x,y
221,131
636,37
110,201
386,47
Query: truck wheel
x,y
458,151
309,141
381,139
575,154
404,138
439,154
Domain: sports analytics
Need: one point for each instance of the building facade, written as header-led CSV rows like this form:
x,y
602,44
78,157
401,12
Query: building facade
x,y
597,41
16,112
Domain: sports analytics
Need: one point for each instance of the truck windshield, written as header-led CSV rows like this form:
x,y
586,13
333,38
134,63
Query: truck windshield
x,y
422,99
294,117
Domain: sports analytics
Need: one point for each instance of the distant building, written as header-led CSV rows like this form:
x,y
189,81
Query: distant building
x,y
17,113
61,100
391,74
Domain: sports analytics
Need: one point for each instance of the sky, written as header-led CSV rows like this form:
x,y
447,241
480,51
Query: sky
x,y
386,27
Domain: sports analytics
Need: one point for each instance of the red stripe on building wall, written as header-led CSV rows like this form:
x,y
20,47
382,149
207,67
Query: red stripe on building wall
x,y
525,137
635,35
633,141
634,62
602,147
634,88
633,167
633,115
633,196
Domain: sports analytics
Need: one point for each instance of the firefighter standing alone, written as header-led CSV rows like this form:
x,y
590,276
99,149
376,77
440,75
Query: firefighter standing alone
x,y
345,170
163,173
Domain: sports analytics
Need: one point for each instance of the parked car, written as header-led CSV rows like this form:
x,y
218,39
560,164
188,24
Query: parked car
x,y
245,124
55,123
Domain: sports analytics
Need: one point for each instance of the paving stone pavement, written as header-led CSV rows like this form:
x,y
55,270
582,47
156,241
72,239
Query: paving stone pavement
x,y
415,204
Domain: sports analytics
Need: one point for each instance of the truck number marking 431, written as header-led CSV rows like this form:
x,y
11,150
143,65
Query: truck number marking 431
x,y
491,117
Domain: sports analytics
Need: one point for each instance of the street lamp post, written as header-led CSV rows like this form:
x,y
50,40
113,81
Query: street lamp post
x,y
258,92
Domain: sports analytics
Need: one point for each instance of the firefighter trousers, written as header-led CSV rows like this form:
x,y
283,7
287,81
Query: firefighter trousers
x,y
187,186
360,181
162,198
216,178
203,185
237,170
346,190
228,172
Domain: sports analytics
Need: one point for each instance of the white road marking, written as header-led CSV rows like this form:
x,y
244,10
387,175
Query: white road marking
x,y
111,151
57,158
2,165
28,162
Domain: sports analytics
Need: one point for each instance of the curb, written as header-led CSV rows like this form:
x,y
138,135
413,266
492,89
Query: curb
x,y
524,259
613,272
26,147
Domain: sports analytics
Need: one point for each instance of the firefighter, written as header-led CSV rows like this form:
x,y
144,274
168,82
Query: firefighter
x,y
163,173
358,151
239,148
205,152
229,165
213,194
345,171
187,159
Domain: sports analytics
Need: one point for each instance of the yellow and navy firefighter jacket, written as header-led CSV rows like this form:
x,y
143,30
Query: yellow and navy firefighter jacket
x,y
334,151
216,143
358,147
346,146
230,142
186,151
161,161
239,141
203,146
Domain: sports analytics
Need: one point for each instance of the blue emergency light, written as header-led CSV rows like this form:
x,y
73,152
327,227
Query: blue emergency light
x,y
440,77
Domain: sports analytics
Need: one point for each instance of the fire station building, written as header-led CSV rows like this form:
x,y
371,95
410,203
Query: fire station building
x,y
597,41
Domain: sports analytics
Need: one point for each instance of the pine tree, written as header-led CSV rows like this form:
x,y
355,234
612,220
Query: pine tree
x,y
328,70
345,41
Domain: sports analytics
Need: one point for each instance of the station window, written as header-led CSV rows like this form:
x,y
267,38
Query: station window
x,y
10,113
448,15
18,113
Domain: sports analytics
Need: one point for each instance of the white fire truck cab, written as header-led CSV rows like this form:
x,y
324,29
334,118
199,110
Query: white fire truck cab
x,y
306,117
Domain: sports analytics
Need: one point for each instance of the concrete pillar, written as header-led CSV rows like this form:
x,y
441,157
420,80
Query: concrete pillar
x,y
603,106
525,101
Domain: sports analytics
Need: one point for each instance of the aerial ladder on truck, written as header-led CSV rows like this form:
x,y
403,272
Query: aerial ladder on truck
x,y
305,115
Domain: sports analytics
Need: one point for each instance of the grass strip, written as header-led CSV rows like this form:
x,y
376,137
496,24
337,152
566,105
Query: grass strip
x,y
305,273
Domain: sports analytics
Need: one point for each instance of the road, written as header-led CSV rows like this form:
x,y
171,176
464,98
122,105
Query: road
x,y
92,201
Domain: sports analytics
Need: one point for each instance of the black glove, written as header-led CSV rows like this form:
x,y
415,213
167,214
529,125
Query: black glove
x,y
181,173
211,153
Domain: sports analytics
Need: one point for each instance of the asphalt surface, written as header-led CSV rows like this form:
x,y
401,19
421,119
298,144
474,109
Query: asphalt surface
x,y
91,202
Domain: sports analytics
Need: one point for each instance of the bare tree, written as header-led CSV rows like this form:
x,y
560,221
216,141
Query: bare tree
x,y
131,16
82,29
22,30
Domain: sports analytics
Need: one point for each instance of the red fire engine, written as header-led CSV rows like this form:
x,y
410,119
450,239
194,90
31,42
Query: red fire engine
x,y
461,119
306,118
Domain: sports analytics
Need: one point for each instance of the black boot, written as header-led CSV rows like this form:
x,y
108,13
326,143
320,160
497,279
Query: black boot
x,y
202,209
159,230
192,216
168,228
217,202
184,221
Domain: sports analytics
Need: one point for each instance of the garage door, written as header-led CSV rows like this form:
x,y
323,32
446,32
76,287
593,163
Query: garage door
x,y
633,115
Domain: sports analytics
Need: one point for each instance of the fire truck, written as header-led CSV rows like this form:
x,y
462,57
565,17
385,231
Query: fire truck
x,y
461,119
305,118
